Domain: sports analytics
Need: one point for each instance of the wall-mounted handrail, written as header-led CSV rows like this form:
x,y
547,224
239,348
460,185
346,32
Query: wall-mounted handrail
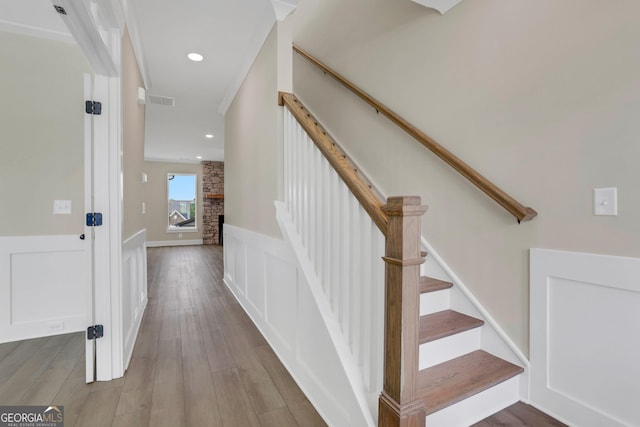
x,y
340,163
521,212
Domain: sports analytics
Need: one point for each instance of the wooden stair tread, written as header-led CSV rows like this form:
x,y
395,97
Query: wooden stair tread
x,y
429,284
455,380
445,323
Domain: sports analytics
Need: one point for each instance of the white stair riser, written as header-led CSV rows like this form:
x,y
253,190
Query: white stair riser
x,y
433,302
444,349
477,407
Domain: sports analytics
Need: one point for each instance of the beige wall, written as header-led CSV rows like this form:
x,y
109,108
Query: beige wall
x,y
252,149
133,141
155,198
41,135
542,97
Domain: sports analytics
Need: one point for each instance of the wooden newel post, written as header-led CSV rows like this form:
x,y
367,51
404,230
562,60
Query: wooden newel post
x,y
399,404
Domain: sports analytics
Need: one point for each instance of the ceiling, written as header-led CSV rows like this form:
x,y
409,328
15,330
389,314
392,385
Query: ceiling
x,y
228,33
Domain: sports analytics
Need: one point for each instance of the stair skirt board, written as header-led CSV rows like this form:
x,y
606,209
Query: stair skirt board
x,y
439,351
477,407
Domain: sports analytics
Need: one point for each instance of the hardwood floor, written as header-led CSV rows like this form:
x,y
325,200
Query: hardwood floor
x,y
198,361
519,415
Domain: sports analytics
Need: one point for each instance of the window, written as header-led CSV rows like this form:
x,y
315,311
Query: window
x,y
182,193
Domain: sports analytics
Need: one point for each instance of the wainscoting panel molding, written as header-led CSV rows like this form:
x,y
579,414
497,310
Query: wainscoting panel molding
x,y
262,273
134,289
43,286
585,348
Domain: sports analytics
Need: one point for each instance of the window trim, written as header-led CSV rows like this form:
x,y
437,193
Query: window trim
x,y
171,229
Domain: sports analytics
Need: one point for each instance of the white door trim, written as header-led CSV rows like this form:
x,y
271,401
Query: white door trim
x,y
101,47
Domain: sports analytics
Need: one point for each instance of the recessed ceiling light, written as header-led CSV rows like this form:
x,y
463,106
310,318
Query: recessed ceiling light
x,y
196,57
209,136
198,157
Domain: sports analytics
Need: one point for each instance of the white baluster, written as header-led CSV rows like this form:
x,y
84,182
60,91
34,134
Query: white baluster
x,y
328,224
356,285
343,244
335,242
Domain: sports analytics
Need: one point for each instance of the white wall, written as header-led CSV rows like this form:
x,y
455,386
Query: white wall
x,y
133,129
41,135
542,97
253,149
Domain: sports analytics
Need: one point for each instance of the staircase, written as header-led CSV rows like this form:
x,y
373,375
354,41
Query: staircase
x,y
459,382
439,349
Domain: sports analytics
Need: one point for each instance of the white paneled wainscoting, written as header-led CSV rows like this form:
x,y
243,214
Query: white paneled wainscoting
x,y
44,284
265,277
134,289
585,337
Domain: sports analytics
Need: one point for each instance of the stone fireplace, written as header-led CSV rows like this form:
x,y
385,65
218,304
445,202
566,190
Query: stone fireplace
x,y
213,200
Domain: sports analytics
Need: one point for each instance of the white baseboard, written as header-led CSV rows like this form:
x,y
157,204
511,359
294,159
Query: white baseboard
x,y
162,243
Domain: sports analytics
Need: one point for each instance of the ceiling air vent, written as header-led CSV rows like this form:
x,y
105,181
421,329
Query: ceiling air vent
x,y
162,100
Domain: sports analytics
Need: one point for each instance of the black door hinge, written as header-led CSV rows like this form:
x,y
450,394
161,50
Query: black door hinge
x,y
95,331
94,219
93,107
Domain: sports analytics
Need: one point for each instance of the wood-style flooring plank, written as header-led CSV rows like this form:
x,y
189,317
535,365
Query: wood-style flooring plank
x,y
44,389
7,348
286,386
297,403
280,417
218,351
132,419
520,415
233,399
73,393
27,374
20,354
200,408
99,408
135,400
305,414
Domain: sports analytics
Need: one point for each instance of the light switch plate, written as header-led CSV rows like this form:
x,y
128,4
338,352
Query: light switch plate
x,y
62,207
605,201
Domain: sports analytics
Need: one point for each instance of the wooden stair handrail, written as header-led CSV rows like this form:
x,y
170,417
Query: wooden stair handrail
x,y
521,212
338,160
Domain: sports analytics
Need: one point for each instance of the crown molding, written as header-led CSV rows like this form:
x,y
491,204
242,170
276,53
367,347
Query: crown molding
x,y
283,8
441,6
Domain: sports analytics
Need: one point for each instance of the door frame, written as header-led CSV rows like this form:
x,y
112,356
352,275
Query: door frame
x,y
97,28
